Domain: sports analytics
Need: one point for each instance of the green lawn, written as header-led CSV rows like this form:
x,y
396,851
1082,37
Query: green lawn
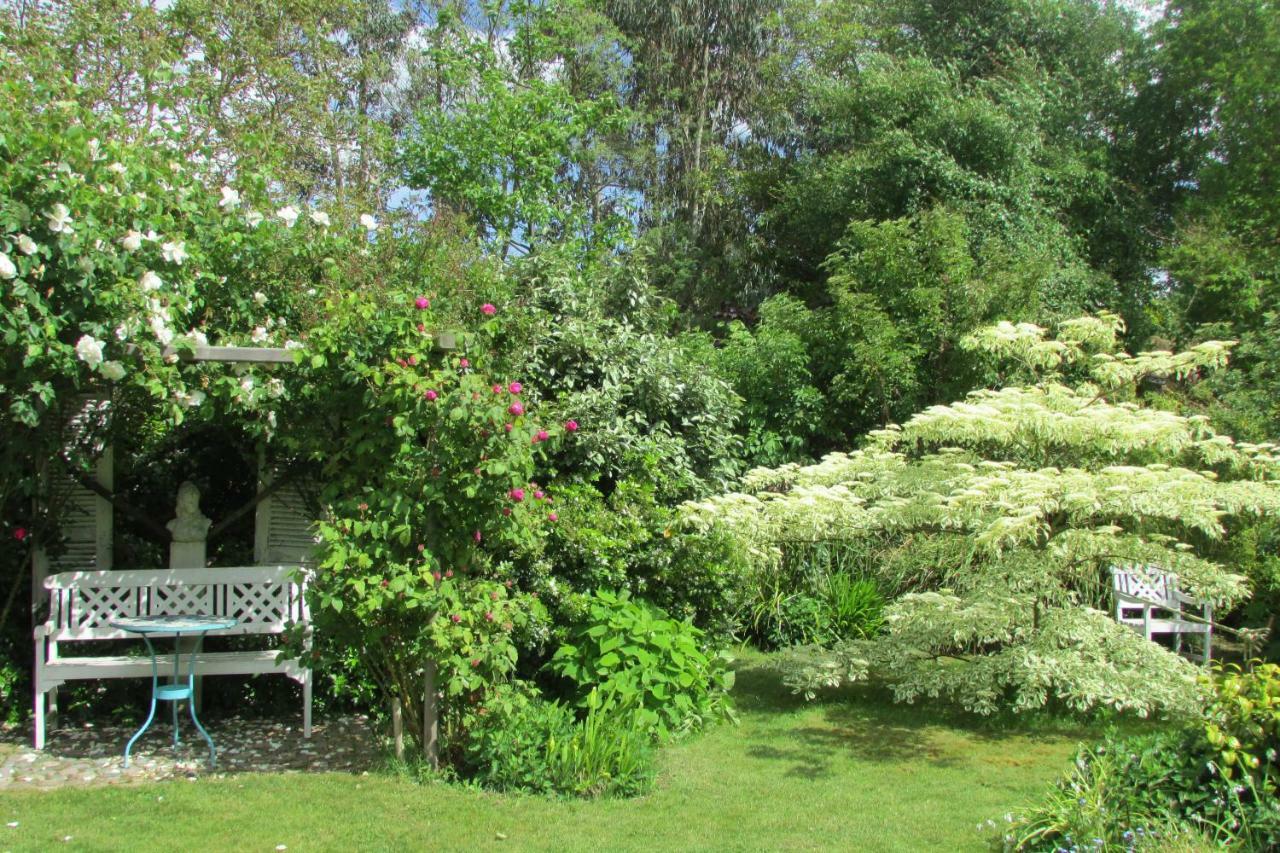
x,y
855,772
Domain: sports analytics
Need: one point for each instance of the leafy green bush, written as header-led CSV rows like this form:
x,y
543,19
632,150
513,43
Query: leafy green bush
x,y
1216,778
518,741
630,657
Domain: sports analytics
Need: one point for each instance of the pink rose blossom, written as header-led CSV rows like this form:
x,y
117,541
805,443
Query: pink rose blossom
x,y
571,426
515,387
488,617
551,516
516,495
448,573
435,575
488,309
476,536
462,362
539,495
497,389
422,327
422,302
431,395
543,435
516,408
413,360
506,510
509,427
456,618
19,533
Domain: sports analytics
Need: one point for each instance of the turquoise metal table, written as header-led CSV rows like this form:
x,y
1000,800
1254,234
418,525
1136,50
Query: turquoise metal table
x,y
177,689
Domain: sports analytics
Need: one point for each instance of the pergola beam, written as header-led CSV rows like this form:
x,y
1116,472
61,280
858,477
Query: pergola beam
x,y
273,355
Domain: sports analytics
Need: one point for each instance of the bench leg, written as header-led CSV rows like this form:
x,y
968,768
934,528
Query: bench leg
x,y
306,705
53,707
39,715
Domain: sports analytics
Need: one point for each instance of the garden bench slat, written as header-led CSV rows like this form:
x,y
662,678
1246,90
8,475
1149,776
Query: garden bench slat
x,y
1142,592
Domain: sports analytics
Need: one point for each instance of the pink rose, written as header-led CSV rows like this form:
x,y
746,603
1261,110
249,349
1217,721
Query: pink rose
x,y
448,573
422,302
476,536
516,408
497,389
551,516
515,387
539,495
516,495
488,309
506,510
462,362
509,427
422,327
435,575
431,395
20,533
542,435
455,617
488,617
413,360
571,426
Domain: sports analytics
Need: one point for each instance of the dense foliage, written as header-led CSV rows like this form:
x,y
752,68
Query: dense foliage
x,y
672,242
1215,778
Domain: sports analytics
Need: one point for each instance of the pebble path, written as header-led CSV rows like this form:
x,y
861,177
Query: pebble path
x,y
94,755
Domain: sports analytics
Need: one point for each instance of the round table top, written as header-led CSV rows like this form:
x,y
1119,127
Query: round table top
x,y
175,624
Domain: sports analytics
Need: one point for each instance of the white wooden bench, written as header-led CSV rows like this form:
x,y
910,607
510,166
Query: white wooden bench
x,y
265,599
1147,599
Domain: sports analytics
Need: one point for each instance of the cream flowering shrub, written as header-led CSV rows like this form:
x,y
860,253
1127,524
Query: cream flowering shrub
x,y
1039,489
118,257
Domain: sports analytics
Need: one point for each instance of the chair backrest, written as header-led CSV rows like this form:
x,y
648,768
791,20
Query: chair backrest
x,y
265,599
1146,583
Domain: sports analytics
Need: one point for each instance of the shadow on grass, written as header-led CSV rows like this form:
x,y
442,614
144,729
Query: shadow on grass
x,y
865,723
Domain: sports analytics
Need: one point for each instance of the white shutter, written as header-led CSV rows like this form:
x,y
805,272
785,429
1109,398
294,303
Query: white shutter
x,y
284,522
83,519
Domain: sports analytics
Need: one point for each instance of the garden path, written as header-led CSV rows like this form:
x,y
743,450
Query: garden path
x,y
93,754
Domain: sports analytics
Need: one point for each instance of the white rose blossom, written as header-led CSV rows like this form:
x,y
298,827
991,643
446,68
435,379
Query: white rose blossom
x,y
122,332
369,223
7,267
320,218
259,334
271,419
254,218
112,370
160,328
260,297
230,199
150,282
288,215
246,384
175,252
131,241
89,350
59,219
118,168
26,245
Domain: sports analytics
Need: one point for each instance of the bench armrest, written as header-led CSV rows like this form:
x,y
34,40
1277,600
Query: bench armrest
x,y
43,631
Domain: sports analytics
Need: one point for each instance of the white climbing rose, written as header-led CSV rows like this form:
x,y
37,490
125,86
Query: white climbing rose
x,y
59,219
150,282
288,215
254,218
259,334
230,199
369,223
112,370
7,267
118,168
260,297
320,218
26,245
131,241
175,252
89,350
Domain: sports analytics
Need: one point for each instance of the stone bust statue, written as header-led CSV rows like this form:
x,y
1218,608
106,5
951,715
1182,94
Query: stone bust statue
x,y
190,525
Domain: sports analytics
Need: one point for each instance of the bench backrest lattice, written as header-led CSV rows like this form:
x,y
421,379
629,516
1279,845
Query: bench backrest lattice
x,y
1150,585
265,599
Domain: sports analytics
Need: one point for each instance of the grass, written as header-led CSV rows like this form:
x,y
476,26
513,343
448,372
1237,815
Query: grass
x,y
853,772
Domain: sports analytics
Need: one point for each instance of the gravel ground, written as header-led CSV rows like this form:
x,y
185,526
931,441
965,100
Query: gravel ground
x,y
94,755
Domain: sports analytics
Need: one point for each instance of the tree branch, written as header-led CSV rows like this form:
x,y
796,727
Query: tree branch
x,y
284,479
156,530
